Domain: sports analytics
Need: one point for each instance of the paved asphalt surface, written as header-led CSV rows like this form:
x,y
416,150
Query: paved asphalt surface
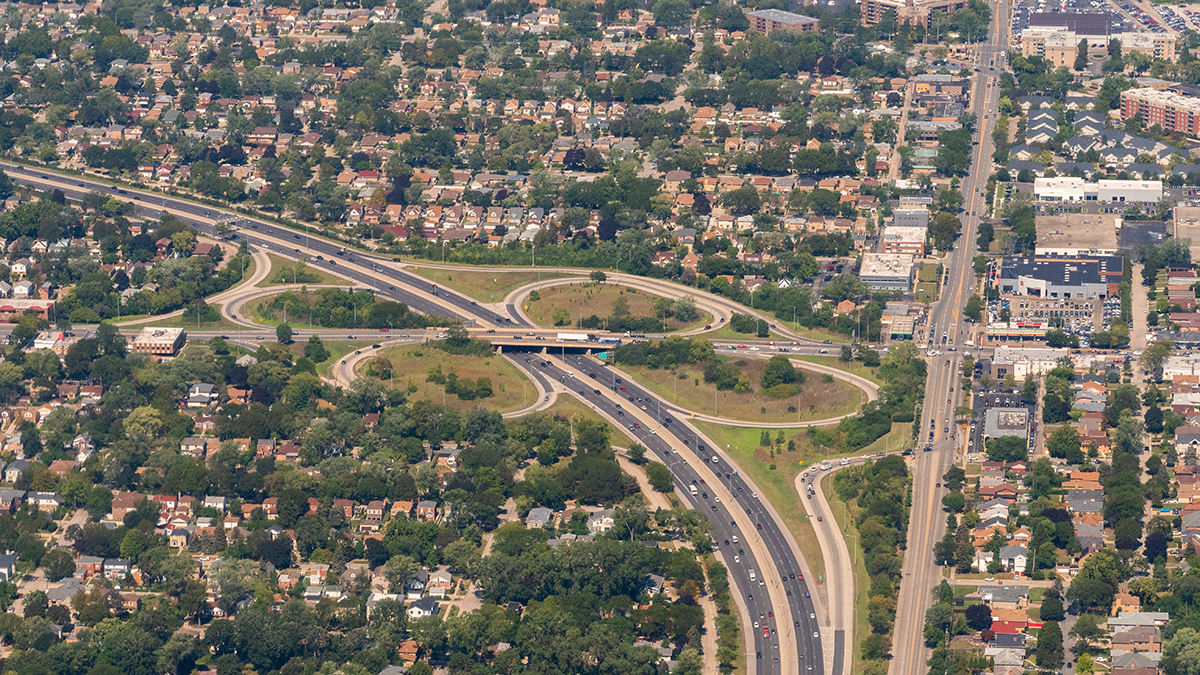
x,y
678,445
942,391
801,630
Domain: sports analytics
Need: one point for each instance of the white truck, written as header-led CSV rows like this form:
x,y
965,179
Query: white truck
x,y
692,489
575,337
752,577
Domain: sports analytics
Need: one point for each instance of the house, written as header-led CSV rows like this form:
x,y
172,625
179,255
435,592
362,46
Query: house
x,y
601,521
422,608
1138,639
14,470
1128,620
1013,558
201,395
8,567
116,568
1007,596
427,509
539,518
44,501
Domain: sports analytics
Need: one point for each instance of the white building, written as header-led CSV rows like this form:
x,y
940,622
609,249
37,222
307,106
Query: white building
x,y
1068,189
887,271
1022,361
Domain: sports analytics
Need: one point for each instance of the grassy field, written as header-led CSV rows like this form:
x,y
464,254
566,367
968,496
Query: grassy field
x,y
587,298
727,333
928,272
571,407
179,322
686,387
281,274
855,367
338,349
778,484
845,515
927,293
483,285
511,389
256,311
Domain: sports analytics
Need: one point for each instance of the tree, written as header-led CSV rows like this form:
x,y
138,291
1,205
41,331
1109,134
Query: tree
x,y
671,13
1065,443
1049,646
1007,449
283,333
779,370
744,200
598,277
659,477
314,350
1181,653
979,617
58,564
974,308
944,228
1156,355
1081,56
1052,609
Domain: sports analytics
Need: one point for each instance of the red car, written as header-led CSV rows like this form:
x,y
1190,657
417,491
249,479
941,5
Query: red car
x,y
766,632
741,346
622,388
759,525
383,330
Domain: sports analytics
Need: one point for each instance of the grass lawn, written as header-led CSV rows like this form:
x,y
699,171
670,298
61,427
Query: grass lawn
x,y
282,269
571,407
256,310
778,485
685,386
844,514
814,333
927,293
338,349
928,272
485,285
728,333
179,322
854,367
1036,594
511,389
962,591
587,298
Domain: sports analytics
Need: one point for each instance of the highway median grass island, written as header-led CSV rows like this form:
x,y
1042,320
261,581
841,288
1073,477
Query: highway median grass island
x,y
426,372
812,395
484,284
596,305
285,271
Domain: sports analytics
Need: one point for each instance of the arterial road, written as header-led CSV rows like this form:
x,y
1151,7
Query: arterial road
x,y
938,430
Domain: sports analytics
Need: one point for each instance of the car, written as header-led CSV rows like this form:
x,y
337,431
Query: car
x,y
759,525
349,337
771,614
820,519
384,330
766,631
816,634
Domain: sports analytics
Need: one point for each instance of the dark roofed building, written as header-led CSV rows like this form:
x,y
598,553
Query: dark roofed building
x,y
1083,23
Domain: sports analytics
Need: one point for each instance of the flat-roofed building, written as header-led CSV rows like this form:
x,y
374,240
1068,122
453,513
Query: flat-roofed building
x,y
1061,46
910,217
887,271
914,12
904,240
1022,361
160,341
767,20
1078,234
1069,189
1177,109
1090,277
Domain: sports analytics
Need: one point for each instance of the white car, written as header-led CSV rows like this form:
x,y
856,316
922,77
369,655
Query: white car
x,y
990,579
717,498
737,559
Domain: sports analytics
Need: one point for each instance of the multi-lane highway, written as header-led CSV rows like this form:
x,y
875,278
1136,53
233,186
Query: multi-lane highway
x,y
782,619
776,598
947,332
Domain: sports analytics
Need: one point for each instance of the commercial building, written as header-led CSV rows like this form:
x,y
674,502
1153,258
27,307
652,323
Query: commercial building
x,y
1055,36
1175,109
904,240
999,422
911,217
1078,234
887,271
914,12
767,20
1069,189
159,341
1022,361
1088,278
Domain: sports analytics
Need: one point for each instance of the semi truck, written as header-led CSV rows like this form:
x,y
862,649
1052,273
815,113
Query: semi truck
x,y
576,337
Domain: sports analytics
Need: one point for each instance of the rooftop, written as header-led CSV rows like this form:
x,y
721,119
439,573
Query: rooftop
x,y
1078,232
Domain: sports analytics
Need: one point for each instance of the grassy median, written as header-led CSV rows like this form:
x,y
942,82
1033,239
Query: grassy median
x,y
484,285
563,306
426,373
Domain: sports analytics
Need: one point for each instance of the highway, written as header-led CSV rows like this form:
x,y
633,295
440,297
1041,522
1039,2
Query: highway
x,y
781,602
689,456
943,391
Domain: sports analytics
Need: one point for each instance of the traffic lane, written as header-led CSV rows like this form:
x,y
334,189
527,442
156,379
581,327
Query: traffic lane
x,y
716,513
144,203
771,534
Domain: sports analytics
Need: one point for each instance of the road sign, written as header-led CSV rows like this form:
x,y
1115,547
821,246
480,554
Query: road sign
x,y
602,355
